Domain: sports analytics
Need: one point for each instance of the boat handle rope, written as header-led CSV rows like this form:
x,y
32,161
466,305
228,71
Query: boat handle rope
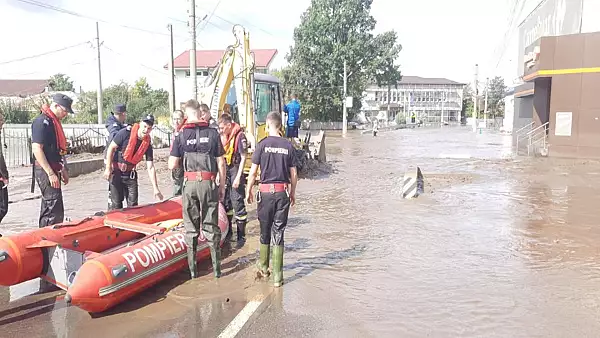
x,y
69,224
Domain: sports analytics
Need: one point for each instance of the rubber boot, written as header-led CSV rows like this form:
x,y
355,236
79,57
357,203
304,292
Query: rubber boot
x,y
215,254
263,262
230,232
277,265
241,232
191,257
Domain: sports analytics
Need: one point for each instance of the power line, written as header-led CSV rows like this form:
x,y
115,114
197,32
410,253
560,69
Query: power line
x,y
66,11
211,15
229,22
44,54
141,64
78,63
512,26
509,19
249,24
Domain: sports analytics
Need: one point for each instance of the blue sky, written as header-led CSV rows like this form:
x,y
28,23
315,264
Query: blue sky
x,y
440,38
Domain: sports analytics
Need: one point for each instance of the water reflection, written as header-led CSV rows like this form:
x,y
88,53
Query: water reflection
x,y
495,247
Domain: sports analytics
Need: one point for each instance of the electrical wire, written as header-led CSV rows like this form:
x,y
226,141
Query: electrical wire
x,y
44,54
211,15
510,19
78,63
141,64
66,11
515,13
249,24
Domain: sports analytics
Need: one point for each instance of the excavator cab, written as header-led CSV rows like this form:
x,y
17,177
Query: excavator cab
x,y
267,99
250,95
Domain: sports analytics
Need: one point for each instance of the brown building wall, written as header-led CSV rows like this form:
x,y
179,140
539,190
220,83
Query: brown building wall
x,y
577,92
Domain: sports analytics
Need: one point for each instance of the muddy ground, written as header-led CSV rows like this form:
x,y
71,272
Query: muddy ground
x,y
497,246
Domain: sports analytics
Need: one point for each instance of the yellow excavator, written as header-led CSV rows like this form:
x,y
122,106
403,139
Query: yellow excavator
x,y
248,96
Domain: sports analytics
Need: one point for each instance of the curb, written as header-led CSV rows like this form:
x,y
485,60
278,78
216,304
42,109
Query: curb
x,y
82,167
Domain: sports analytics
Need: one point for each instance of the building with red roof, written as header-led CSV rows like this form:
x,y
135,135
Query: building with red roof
x,y
206,62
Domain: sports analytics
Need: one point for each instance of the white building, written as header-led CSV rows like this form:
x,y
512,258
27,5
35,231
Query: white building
x,y
206,62
509,111
432,100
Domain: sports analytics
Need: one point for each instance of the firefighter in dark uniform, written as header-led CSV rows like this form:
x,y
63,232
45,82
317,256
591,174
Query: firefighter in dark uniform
x,y
177,122
3,178
49,146
200,147
277,192
114,123
130,145
235,145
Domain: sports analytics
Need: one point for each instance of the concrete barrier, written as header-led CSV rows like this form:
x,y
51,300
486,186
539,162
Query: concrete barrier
x,y
413,184
83,167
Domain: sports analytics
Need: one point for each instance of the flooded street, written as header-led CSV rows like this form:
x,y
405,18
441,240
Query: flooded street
x,y
496,247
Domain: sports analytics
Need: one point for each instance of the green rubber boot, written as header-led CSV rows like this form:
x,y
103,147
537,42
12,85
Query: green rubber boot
x,y
263,262
215,254
277,265
192,248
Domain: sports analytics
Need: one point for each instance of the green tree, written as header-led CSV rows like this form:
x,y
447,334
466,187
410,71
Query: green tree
x,y
467,101
115,94
22,112
141,88
317,58
61,82
496,93
386,72
86,108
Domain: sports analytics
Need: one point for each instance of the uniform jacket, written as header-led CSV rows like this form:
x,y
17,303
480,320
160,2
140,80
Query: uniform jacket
x,y
3,169
113,126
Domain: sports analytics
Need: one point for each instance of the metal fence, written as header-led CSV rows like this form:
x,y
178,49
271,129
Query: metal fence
x,y
16,140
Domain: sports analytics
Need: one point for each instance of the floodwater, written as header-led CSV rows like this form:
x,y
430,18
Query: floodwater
x,y
496,247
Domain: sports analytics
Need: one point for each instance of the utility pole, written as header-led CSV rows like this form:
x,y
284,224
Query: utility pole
x,y
389,93
442,113
99,102
485,104
475,84
193,68
171,73
344,115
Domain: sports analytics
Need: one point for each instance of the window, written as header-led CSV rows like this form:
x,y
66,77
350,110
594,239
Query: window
x,y
198,73
267,100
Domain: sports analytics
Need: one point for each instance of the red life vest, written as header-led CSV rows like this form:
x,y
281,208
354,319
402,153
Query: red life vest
x,y
130,155
194,125
231,143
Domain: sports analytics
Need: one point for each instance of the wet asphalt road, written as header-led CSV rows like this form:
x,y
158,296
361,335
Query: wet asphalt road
x,y
496,247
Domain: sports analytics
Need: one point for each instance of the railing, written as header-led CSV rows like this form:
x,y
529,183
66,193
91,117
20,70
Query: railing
x,y
522,133
536,137
16,141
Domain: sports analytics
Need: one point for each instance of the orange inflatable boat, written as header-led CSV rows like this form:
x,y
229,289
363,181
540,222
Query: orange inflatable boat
x,y
30,255
109,278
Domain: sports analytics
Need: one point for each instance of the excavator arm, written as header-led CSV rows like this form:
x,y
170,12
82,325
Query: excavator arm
x,y
236,67
254,100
